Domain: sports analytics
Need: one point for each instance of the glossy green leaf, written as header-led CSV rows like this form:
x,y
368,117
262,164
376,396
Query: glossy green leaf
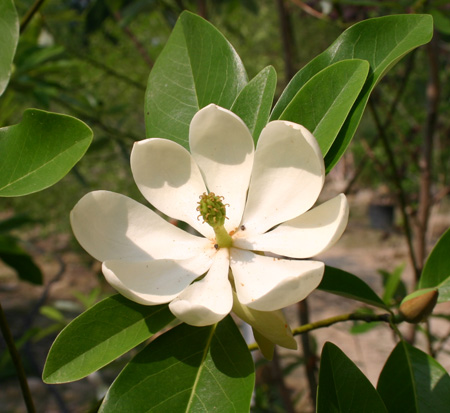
x,y
188,369
324,102
39,151
413,382
9,35
254,103
339,282
100,335
382,42
198,66
13,255
343,387
437,267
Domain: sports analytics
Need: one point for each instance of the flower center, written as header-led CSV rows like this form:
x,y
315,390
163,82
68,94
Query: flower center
x,y
213,211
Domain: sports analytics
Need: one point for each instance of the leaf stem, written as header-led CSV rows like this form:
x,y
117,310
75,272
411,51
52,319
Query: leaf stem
x,y
17,362
387,318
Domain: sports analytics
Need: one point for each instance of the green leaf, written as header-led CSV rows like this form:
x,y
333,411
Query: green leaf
x,y
437,267
188,369
343,387
100,335
382,42
9,35
254,103
444,290
412,381
441,21
12,254
198,66
324,102
39,151
392,283
339,282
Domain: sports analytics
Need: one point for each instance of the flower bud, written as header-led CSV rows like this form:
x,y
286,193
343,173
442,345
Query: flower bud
x,y
416,307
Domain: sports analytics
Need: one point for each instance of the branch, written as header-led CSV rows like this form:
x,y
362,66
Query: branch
x,y
309,10
368,318
15,357
30,13
426,159
399,187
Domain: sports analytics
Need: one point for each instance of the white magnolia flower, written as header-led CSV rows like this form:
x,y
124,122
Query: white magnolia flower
x,y
267,194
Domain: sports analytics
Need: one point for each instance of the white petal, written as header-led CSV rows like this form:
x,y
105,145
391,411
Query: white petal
x,y
305,236
154,282
270,324
111,226
222,146
267,283
169,178
288,175
209,300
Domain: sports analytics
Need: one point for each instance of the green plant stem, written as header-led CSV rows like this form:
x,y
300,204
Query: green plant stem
x,y
368,318
30,13
17,362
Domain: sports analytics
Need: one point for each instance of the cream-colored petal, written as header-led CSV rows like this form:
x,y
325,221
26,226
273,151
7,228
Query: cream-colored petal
x,y
268,284
209,300
169,178
154,282
222,146
305,236
287,177
270,324
111,226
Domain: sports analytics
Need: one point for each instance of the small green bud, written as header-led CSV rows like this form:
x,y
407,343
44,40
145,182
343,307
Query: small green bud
x,y
212,209
416,307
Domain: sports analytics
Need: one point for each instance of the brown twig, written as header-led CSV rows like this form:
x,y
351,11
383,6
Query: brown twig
x,y
426,161
309,10
388,119
29,14
400,192
15,357
309,356
287,38
137,43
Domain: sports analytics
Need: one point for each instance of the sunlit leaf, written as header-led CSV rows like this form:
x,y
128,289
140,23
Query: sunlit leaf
x,y
339,282
324,102
9,36
39,151
382,42
188,369
343,387
254,103
100,335
412,381
437,268
198,66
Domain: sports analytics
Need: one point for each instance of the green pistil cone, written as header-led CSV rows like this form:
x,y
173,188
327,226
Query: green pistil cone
x,y
213,211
